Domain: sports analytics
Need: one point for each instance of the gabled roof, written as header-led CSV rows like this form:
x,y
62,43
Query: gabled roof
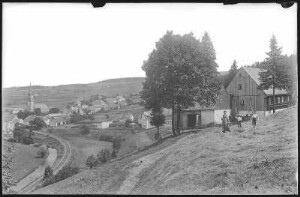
x,y
254,74
41,106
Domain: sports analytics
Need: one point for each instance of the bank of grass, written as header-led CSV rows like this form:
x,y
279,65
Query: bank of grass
x,y
25,159
243,161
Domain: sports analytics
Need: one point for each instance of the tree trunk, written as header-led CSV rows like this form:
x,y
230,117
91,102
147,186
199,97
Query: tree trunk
x,y
273,94
178,120
173,126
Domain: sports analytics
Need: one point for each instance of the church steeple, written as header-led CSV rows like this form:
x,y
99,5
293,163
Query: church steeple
x,y
31,99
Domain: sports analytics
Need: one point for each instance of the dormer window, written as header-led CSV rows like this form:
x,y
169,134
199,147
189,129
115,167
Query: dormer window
x,y
240,87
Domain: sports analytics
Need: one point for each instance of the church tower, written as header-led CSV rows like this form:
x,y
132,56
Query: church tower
x,y
31,100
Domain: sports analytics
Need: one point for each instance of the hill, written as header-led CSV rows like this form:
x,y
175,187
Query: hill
x,y
247,161
59,96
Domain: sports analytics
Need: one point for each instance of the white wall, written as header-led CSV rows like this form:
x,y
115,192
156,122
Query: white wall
x,y
219,114
266,113
207,116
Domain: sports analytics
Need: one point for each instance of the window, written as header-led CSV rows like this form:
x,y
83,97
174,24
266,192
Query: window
x,y
282,99
240,87
242,102
278,99
288,98
271,100
240,75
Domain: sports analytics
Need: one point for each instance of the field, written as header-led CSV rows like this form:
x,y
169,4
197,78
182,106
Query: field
x,y
59,96
82,146
25,160
243,161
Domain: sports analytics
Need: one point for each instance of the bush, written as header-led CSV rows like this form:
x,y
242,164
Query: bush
x,y
27,140
114,153
67,171
85,130
127,123
42,151
11,140
103,156
48,181
91,161
48,172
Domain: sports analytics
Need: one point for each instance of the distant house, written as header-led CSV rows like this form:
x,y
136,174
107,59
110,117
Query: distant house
x,y
102,125
245,96
57,122
10,124
28,119
111,101
129,116
145,119
44,108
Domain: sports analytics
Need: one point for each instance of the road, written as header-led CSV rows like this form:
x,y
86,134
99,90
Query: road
x,y
63,161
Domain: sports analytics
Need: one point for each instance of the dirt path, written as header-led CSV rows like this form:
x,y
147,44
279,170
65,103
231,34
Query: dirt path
x,y
37,173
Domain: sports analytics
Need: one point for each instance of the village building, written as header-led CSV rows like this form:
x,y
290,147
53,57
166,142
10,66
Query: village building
x,y
57,121
144,120
245,96
199,116
102,125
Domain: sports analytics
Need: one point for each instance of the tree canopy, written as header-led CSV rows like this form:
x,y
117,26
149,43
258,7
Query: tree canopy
x,y
274,73
180,71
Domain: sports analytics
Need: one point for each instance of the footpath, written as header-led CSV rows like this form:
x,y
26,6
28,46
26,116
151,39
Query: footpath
x,y
36,174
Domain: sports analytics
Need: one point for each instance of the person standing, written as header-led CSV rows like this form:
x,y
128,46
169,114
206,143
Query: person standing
x,y
255,118
225,122
239,119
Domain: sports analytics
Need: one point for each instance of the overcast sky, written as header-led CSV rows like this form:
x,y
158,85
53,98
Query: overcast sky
x,y
54,44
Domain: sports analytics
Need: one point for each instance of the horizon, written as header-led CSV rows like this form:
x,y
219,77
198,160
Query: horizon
x,y
61,44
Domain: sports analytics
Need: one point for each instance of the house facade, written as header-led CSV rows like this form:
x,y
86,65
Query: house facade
x,y
245,96
199,116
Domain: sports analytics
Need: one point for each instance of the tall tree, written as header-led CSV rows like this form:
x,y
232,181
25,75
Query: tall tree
x,y
179,72
232,72
157,119
273,75
36,125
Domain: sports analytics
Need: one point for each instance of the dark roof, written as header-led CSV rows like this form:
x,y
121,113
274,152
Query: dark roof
x,y
254,74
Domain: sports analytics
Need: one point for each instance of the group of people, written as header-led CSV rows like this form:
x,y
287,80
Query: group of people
x,y
226,122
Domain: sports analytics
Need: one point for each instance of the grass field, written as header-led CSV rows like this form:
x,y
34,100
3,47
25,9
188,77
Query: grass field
x,y
25,160
82,145
243,161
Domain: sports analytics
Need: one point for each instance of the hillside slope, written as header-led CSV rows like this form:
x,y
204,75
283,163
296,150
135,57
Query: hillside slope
x,y
247,161
59,96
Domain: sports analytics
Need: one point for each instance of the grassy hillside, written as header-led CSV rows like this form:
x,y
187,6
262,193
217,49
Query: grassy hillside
x,y
59,96
243,161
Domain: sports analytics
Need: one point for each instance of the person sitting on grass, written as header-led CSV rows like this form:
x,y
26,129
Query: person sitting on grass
x,y
239,119
225,122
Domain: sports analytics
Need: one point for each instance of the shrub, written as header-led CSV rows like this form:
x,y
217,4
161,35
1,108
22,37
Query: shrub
x,y
117,143
85,130
67,171
127,123
48,172
103,156
42,151
48,181
91,161
114,153
11,140
27,140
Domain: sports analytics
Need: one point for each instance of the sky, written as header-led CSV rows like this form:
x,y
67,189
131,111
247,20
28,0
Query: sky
x,y
54,43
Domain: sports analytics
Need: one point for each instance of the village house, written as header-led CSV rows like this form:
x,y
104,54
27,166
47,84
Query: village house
x,y
245,96
199,116
145,119
102,125
57,121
